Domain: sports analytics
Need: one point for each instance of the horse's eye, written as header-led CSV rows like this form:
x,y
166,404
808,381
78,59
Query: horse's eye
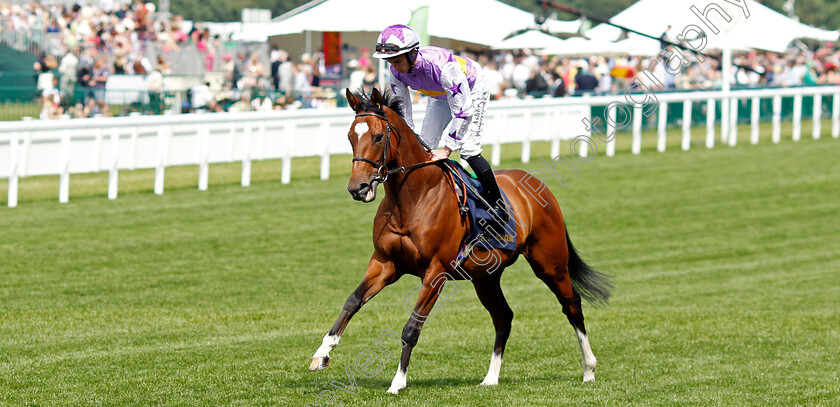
x,y
378,138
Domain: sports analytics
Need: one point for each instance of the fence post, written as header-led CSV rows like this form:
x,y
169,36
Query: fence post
x,y
203,151
817,117
732,138
64,168
325,149
261,140
777,119
13,170
163,148
611,131
98,148
132,148
23,162
584,149
686,133
663,121
526,143
637,130
710,123
231,142
835,116
754,118
797,117
288,144
246,156
555,126
496,158
724,118
113,174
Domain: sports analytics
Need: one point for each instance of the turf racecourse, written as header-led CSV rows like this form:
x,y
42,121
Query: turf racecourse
x,y
726,264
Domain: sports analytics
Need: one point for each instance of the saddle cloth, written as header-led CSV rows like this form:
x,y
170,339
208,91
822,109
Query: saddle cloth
x,y
480,218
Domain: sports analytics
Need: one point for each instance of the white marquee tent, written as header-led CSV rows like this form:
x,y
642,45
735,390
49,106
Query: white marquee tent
x,y
453,24
529,40
579,46
764,28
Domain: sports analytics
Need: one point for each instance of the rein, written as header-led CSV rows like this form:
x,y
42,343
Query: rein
x,y
382,170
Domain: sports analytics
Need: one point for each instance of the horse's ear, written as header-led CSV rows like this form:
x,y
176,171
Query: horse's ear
x,y
352,100
376,98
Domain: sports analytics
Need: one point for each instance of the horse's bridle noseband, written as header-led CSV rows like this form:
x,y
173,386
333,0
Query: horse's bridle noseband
x,y
382,171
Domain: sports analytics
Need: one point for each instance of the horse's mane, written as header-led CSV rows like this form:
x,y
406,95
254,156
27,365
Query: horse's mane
x,y
390,99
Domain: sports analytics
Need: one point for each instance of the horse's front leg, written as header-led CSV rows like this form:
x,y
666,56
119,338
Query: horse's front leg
x,y
432,286
379,274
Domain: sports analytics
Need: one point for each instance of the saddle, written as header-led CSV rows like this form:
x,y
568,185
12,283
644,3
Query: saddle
x,y
484,231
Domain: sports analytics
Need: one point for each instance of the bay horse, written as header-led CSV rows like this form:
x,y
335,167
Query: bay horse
x,y
418,230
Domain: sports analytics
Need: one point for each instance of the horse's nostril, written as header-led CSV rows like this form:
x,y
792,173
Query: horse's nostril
x,y
360,190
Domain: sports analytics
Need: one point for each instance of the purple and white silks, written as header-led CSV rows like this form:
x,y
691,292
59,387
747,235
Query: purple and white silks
x,y
459,95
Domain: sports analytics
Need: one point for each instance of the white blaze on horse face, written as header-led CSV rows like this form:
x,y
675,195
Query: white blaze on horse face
x,y
330,342
589,361
399,381
361,128
492,377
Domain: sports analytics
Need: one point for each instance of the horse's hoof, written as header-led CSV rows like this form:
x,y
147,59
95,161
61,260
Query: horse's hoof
x,y
319,363
587,378
488,383
395,389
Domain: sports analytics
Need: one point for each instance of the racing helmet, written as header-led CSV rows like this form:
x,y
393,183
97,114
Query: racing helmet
x,y
396,40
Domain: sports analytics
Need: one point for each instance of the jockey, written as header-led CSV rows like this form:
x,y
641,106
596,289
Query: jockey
x,y
459,98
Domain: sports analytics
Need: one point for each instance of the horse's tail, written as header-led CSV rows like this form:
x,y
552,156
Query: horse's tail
x,y
590,284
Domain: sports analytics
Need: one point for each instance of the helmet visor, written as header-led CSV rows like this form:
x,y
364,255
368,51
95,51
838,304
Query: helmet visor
x,y
387,48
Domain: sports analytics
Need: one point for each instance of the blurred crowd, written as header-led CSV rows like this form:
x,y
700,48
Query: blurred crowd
x,y
522,74
113,27
97,41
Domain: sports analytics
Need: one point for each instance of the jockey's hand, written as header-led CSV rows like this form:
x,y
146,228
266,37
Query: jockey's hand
x,y
439,154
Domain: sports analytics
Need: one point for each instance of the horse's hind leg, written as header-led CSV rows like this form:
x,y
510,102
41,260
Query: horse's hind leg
x,y
553,270
490,293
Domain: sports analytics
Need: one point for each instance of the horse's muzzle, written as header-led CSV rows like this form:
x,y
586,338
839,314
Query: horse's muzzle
x,y
363,192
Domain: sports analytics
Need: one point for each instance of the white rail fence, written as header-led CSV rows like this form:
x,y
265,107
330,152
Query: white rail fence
x,y
64,147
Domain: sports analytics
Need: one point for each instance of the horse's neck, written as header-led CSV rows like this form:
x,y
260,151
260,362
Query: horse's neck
x,y
417,188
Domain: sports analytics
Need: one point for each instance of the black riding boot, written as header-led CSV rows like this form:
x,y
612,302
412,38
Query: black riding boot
x,y
491,189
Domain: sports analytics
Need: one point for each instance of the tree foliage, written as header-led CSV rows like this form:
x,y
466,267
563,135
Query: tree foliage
x,y
820,13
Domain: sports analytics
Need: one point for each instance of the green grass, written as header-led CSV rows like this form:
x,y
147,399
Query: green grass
x,y
17,110
725,263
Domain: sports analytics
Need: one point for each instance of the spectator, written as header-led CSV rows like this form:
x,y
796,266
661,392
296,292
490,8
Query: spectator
x,y
51,101
67,71
256,73
163,67
369,80
357,76
665,38
243,104
495,80
154,82
536,85
303,86
558,85
201,95
584,82
275,69
229,70
99,79
239,69
285,73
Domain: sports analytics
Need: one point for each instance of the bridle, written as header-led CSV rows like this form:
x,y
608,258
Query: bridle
x,y
382,171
